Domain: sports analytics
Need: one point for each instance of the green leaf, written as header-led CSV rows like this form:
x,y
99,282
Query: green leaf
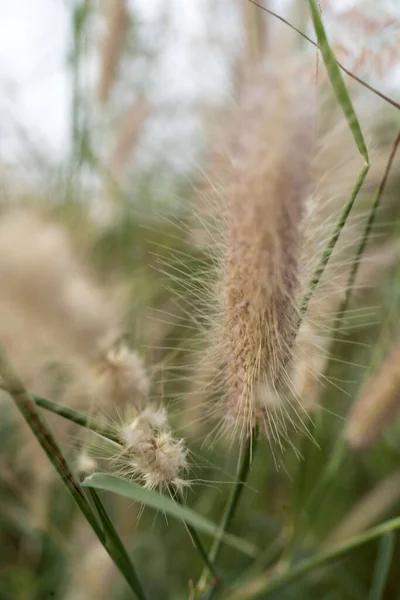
x,y
337,82
159,501
385,554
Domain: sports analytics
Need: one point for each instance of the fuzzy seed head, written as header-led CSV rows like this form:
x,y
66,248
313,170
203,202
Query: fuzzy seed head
x,y
123,377
152,455
259,268
161,460
378,404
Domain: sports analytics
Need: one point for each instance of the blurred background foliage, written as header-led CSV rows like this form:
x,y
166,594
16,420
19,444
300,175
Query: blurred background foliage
x,y
148,85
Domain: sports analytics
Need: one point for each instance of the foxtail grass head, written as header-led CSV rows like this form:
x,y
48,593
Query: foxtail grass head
x,y
258,285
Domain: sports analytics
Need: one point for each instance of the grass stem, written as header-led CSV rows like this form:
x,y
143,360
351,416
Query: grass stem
x,y
230,508
13,384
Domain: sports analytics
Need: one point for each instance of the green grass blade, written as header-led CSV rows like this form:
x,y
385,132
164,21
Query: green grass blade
x,y
116,548
385,555
14,386
333,238
338,85
230,508
163,503
77,417
342,95
266,583
369,225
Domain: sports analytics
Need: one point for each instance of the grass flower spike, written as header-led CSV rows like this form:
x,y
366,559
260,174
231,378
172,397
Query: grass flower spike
x,y
151,455
259,277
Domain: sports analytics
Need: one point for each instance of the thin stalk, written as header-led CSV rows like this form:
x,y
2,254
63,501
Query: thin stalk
x,y
266,583
368,227
115,547
381,572
344,100
201,550
13,384
197,542
342,67
230,507
333,238
77,417
339,453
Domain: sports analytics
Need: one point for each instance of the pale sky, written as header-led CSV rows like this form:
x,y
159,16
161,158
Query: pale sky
x,y
35,82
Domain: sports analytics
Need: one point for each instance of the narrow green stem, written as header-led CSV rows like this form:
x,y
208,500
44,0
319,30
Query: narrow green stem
x,y
77,417
340,449
15,387
385,555
266,583
200,548
333,238
343,98
13,384
115,547
230,507
368,227
197,542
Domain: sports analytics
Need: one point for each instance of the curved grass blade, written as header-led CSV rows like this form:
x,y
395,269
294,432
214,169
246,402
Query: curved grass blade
x,y
266,583
368,226
338,85
163,503
385,554
13,384
342,95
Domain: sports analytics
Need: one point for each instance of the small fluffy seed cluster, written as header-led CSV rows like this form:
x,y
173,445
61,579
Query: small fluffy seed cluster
x,y
152,456
121,376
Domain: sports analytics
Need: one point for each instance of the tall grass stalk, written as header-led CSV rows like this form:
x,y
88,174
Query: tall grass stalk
x,y
265,584
344,100
230,508
15,387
